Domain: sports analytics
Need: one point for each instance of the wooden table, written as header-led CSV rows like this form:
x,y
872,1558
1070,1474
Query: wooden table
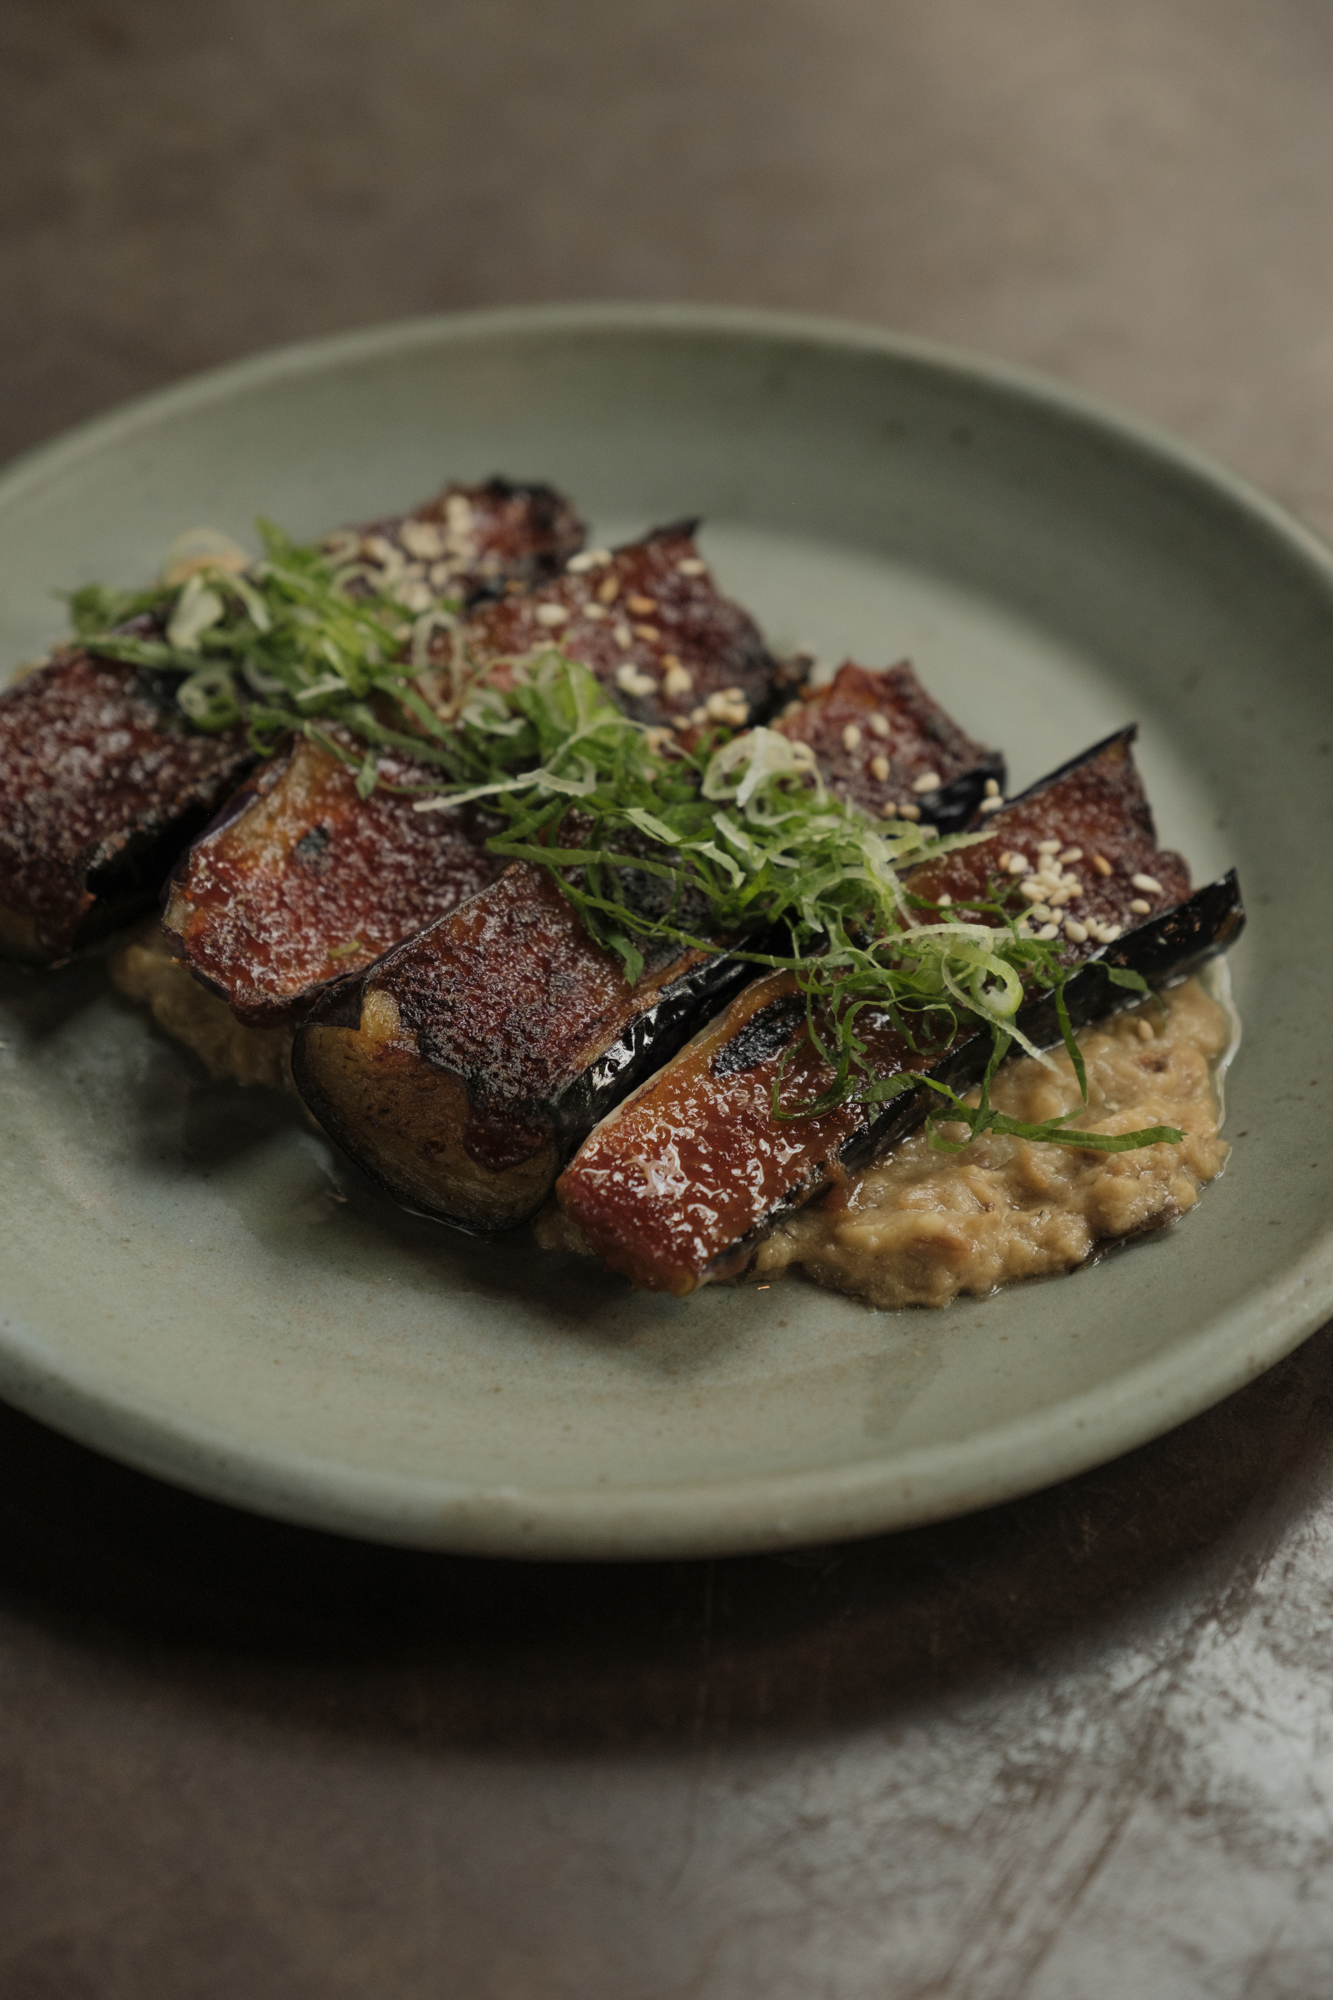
x,y
1076,1748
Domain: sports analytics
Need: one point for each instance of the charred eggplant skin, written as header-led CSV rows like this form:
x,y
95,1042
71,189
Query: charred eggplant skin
x,y
536,1023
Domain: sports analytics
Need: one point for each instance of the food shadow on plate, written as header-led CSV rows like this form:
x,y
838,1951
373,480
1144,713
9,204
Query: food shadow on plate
x,y
258,1152
347,1640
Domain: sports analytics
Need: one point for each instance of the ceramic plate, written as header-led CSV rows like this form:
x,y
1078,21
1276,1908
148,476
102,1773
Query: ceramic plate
x,y
193,1282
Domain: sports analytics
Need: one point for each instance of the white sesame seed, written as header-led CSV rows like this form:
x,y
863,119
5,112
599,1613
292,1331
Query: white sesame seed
x,y
1110,932
691,567
588,559
1140,907
929,781
1049,931
877,725
1075,931
1033,891
1041,911
679,681
945,901
992,805
1145,1031
1048,847
1016,864
1071,854
890,811
594,611
631,681
879,768
851,737
647,632
992,789
1148,883
909,812
551,614
422,539
623,637
1101,864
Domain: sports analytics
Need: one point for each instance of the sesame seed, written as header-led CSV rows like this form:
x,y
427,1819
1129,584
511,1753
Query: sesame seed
x,y
641,606
1041,911
1148,883
657,740
679,681
631,681
890,811
1016,864
929,781
691,567
699,715
594,611
588,559
879,768
1140,907
1071,854
1033,891
992,804
1110,932
1144,1031
623,637
945,902
851,737
1076,932
648,632
992,788
422,539
1101,864
909,812
877,725
1049,931
608,589
551,614
1048,847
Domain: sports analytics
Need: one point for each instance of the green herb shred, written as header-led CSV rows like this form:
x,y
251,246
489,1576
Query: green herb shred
x,y
709,845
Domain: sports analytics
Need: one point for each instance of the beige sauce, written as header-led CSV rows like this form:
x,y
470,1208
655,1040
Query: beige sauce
x,y
144,970
927,1225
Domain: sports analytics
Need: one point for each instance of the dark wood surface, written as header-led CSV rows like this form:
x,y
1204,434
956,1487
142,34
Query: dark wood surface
x,y
1076,1748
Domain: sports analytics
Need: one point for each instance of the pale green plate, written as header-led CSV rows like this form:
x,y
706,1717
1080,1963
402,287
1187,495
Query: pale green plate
x,y
189,1280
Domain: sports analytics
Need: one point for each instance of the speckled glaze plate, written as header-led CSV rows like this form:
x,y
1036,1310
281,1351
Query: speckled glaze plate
x,y
189,1278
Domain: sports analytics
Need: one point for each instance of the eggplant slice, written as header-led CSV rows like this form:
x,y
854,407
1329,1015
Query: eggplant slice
x,y
681,1183
465,1068
103,782
299,883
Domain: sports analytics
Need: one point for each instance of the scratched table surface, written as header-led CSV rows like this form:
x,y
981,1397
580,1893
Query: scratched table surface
x,y
1076,1748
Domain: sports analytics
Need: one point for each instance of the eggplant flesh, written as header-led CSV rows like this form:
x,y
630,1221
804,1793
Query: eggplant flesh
x,y
680,1184
300,881
465,1068
103,782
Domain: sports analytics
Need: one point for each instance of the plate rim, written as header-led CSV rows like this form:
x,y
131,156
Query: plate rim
x,y
742,1513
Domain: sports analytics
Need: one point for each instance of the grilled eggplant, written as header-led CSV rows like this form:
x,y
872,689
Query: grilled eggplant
x,y
298,882
679,1185
464,1069
102,781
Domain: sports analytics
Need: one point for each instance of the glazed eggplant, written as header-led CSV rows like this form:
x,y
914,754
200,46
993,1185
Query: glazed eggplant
x,y
647,619
299,883
880,739
102,780
680,1184
464,1069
